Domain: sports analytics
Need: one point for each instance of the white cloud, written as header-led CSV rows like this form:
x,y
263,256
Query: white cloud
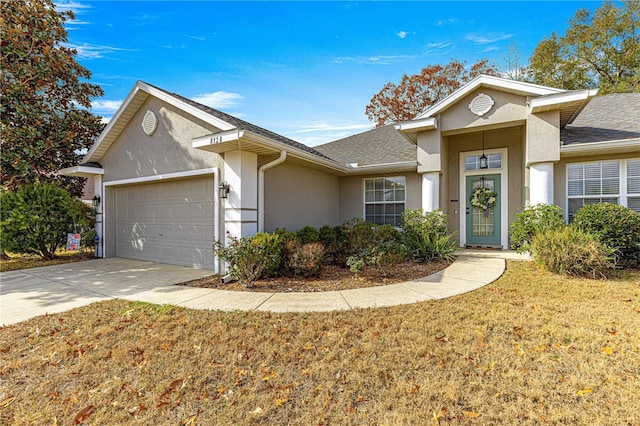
x,y
94,51
402,34
73,6
320,126
487,38
220,99
372,60
200,38
490,49
106,106
446,21
437,48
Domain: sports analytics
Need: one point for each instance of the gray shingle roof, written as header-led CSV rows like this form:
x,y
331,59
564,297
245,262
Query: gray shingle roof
x,y
605,118
244,125
378,146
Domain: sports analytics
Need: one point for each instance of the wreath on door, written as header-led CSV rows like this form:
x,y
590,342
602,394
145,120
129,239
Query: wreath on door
x,y
483,199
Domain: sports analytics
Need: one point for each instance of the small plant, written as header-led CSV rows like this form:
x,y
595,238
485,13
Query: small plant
x,y
305,260
355,264
532,221
36,218
308,235
271,246
614,225
569,250
247,262
426,235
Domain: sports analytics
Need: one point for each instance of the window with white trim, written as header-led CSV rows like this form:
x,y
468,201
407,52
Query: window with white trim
x,y
633,184
603,182
384,200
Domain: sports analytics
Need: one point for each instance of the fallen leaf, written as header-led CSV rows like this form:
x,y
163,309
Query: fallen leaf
x,y
470,414
83,414
585,391
608,350
258,410
7,402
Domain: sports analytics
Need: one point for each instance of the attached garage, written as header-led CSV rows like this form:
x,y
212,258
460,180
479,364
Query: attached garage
x,y
168,222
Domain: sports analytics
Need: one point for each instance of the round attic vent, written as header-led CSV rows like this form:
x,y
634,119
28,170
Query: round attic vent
x,y
149,122
481,104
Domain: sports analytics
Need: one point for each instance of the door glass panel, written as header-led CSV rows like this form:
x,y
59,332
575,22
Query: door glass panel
x,y
483,220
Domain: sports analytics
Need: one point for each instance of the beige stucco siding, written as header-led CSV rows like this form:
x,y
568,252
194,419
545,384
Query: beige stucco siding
x,y
297,196
560,173
505,138
352,194
168,150
429,152
543,136
508,108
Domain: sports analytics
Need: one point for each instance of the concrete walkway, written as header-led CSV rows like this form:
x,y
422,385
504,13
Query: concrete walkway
x,y
28,293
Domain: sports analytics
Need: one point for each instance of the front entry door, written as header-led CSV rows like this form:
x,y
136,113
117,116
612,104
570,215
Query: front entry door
x,y
483,225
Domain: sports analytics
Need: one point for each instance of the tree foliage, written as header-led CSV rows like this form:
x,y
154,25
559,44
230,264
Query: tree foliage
x,y
44,124
36,218
600,49
415,93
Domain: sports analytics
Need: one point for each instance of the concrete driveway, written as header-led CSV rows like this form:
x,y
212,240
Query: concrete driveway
x,y
28,293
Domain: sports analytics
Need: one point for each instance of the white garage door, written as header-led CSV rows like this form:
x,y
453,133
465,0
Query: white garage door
x,y
167,222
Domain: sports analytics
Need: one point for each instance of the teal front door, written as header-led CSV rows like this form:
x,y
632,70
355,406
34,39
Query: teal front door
x,y
483,225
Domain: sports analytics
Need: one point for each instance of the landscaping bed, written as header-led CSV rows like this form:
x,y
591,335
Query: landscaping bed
x,y
331,278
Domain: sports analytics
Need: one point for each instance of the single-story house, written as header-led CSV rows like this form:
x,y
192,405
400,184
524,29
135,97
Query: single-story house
x,y
173,175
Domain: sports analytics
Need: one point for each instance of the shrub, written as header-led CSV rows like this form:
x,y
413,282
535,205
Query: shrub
x,y
614,225
305,260
360,235
271,246
247,262
308,235
36,218
531,221
334,239
569,250
426,235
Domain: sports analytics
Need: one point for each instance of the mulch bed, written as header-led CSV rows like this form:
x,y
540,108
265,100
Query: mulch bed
x,y
331,278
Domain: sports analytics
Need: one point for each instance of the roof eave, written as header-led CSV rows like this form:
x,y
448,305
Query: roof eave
x,y
81,171
410,129
603,147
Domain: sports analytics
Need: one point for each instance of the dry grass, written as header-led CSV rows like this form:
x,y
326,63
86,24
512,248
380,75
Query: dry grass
x,y
16,261
531,348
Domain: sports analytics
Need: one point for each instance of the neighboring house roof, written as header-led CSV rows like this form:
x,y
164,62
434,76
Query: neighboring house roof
x,y
614,117
382,145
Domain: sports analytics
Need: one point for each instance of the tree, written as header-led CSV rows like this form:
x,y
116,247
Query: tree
x,y
36,218
600,49
417,92
44,122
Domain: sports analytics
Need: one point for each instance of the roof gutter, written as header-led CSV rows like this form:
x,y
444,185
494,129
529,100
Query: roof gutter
x,y
261,170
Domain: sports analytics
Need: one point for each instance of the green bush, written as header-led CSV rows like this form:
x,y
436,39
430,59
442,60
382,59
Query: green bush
x,y
272,248
614,225
360,235
247,262
569,250
426,235
531,221
308,235
36,219
334,239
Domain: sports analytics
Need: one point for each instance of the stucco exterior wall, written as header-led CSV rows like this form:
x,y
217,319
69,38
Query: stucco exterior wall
x,y
429,151
560,173
352,194
543,137
510,138
508,108
297,196
168,150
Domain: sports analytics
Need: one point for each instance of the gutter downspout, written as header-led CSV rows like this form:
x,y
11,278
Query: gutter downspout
x,y
261,170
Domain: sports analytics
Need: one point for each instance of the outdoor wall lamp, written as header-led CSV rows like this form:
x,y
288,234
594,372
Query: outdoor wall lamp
x,y
484,161
223,190
96,201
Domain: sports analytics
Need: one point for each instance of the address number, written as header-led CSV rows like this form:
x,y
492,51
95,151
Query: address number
x,y
216,139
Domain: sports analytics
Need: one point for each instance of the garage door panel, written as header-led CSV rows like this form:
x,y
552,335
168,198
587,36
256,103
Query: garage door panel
x,y
169,222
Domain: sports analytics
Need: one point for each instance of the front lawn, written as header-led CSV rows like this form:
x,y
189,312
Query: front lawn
x,y
531,348
25,261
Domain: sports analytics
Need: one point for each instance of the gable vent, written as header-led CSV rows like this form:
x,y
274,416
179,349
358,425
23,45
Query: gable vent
x,y
149,123
481,104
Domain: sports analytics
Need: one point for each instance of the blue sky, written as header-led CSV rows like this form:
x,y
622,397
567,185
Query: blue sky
x,y
305,70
